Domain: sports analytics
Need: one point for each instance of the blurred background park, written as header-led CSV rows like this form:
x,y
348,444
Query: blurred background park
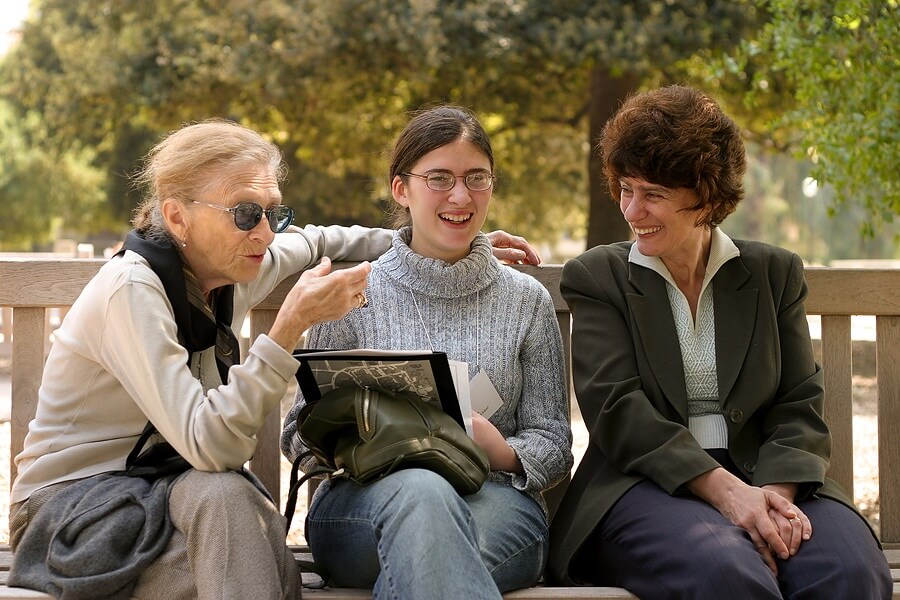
x,y
86,88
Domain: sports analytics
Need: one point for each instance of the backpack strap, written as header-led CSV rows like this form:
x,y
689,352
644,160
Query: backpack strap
x,y
291,504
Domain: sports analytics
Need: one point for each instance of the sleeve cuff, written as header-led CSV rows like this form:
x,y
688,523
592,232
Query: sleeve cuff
x,y
279,359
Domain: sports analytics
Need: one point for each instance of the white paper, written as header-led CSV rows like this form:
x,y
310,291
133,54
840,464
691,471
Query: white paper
x,y
367,352
483,395
460,372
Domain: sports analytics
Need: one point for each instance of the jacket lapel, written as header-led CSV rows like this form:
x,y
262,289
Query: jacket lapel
x,y
656,326
735,317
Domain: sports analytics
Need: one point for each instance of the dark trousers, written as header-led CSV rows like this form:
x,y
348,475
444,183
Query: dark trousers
x,y
660,546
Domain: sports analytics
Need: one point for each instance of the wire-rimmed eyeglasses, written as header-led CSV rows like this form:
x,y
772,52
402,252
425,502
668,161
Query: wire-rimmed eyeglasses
x,y
247,215
442,181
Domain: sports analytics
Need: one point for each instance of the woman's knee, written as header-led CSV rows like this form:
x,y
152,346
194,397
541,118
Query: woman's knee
x,y
421,490
410,494
222,496
214,487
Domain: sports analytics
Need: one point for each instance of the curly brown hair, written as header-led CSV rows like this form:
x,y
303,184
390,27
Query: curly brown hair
x,y
677,137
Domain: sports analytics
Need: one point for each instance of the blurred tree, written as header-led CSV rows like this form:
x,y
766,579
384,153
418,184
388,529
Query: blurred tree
x,y
41,190
332,83
840,60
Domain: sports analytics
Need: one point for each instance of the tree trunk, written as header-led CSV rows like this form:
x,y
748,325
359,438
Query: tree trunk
x,y
605,222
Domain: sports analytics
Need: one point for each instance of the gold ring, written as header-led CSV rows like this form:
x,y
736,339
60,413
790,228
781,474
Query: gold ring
x,y
361,300
795,520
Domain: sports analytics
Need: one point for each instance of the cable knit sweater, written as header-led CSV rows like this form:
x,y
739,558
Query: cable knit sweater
x,y
477,311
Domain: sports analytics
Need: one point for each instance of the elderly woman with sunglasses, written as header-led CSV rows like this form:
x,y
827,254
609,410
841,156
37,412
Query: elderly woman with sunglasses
x,y
131,481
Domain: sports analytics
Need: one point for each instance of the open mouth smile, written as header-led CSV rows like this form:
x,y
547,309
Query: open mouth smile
x,y
455,218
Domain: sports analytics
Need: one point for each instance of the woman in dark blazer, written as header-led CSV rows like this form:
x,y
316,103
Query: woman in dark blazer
x,y
705,472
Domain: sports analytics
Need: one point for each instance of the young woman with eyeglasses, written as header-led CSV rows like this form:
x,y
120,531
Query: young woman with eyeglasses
x,y
410,535
149,347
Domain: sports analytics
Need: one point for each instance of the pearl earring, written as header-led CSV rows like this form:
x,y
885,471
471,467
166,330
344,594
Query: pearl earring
x,y
183,244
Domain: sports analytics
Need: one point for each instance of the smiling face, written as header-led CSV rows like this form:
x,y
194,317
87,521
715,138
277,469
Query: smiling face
x,y
217,251
445,223
662,221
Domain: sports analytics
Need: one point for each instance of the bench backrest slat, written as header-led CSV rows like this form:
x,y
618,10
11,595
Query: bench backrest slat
x,y
836,362
30,286
29,334
266,461
887,368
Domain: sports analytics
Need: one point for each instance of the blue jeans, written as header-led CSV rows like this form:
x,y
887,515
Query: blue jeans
x,y
410,535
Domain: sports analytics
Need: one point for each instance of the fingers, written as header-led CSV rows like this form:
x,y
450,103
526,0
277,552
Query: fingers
x,y
801,526
346,289
796,526
766,553
323,268
791,525
513,249
321,294
510,256
805,525
781,504
790,513
358,275
790,531
769,533
531,256
783,539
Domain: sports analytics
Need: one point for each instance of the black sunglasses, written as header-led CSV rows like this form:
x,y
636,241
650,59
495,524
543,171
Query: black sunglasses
x,y
247,215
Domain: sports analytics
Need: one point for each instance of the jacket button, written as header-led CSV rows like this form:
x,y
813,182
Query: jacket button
x,y
750,466
736,416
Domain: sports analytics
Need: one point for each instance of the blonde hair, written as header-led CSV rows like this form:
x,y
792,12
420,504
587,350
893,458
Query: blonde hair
x,y
179,166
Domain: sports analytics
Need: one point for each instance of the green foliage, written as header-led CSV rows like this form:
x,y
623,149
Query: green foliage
x,y
42,191
783,208
333,82
840,60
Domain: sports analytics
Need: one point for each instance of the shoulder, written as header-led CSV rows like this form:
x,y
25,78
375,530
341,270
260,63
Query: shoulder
x,y
128,269
524,283
123,287
761,253
778,271
605,257
765,260
601,265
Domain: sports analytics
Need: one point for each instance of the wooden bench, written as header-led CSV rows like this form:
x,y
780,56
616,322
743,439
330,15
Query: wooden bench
x,y
31,287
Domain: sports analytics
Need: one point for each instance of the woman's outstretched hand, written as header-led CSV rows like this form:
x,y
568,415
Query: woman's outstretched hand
x,y
513,249
319,295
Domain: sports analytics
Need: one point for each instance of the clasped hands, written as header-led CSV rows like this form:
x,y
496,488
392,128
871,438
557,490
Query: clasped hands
x,y
775,524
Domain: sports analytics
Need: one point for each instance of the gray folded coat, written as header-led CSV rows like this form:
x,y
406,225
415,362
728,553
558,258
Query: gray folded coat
x,y
94,538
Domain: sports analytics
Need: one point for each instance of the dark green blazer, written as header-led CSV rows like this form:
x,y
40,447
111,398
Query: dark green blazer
x,y
629,382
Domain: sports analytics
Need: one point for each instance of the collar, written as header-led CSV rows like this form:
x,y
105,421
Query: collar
x,y
722,249
437,278
200,325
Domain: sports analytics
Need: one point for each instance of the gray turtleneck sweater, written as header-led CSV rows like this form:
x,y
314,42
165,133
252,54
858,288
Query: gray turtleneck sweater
x,y
481,312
